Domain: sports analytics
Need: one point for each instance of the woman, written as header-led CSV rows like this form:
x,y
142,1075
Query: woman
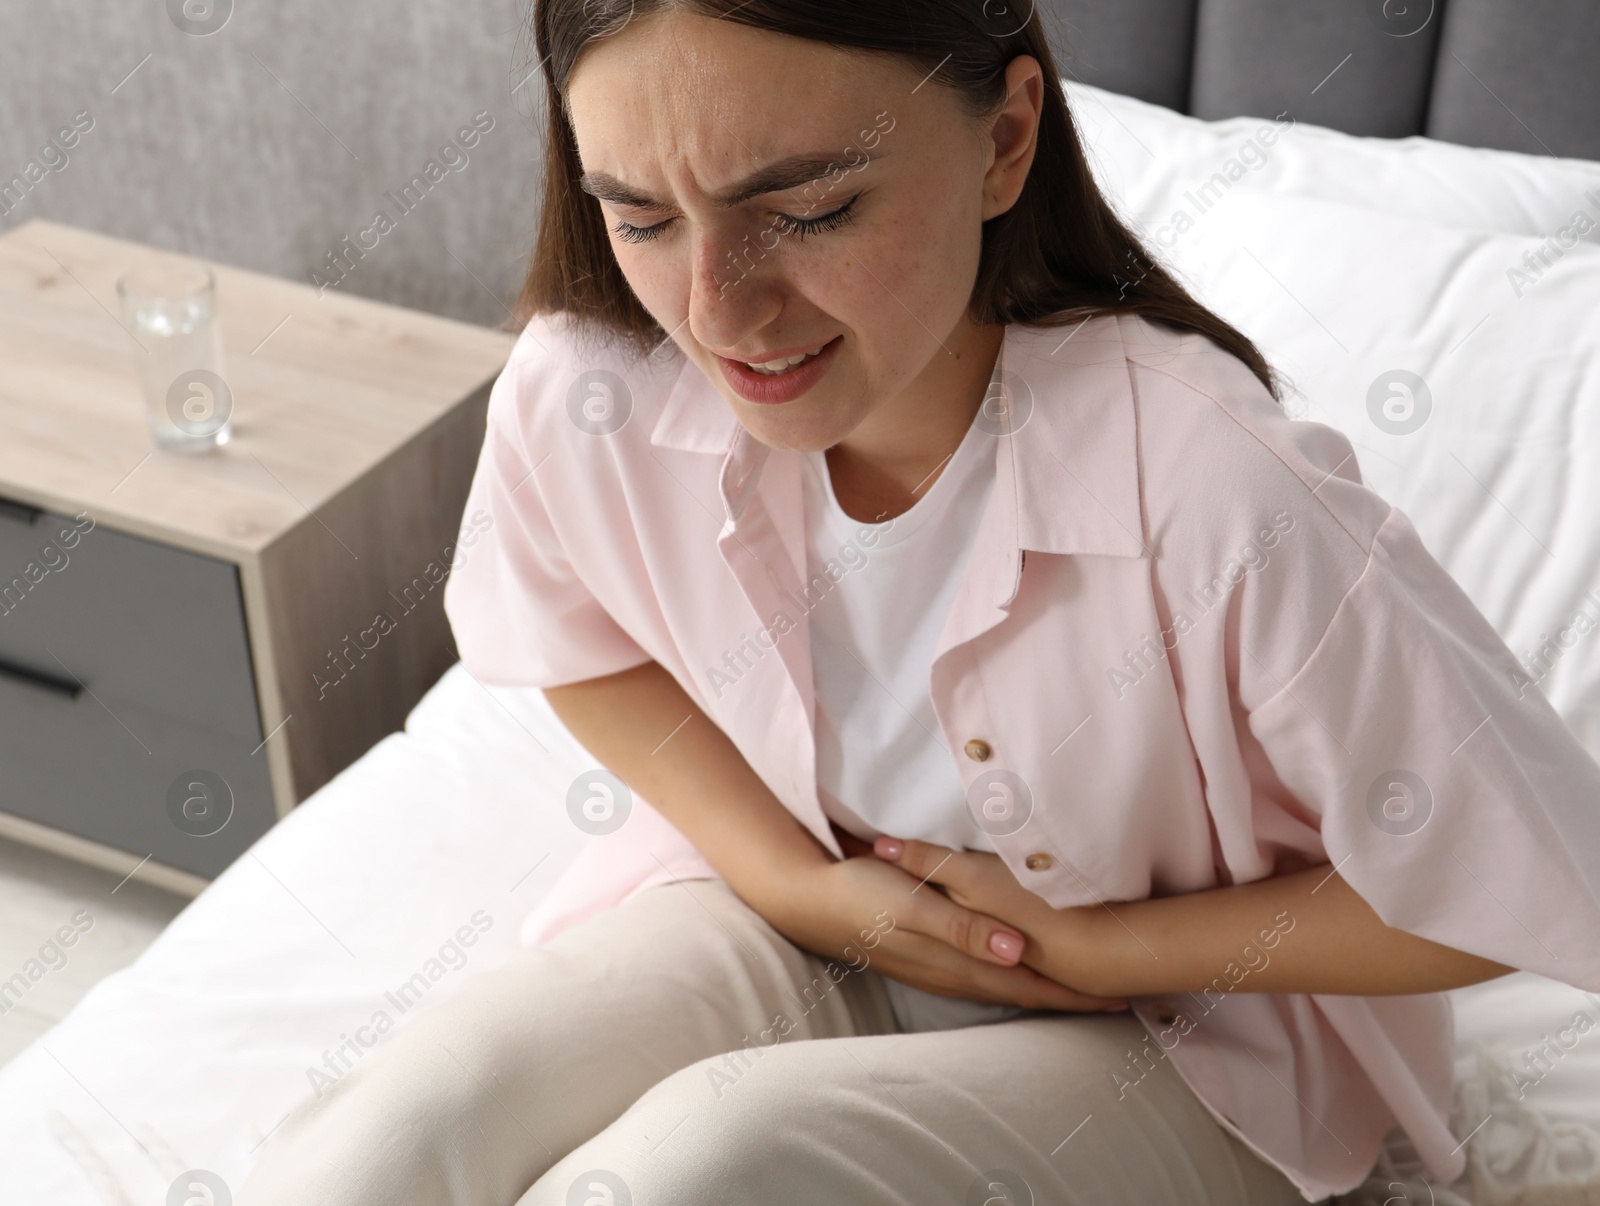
x,y
993,655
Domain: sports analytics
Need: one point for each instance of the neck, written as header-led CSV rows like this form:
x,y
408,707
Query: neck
x,y
887,463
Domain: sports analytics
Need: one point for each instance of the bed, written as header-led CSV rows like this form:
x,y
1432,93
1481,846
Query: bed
x,y
1438,303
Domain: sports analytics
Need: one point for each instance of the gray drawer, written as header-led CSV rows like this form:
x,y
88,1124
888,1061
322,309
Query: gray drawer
x,y
124,667
134,620
123,780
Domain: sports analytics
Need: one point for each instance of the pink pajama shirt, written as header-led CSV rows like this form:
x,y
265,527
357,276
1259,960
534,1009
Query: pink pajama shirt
x,y
1192,647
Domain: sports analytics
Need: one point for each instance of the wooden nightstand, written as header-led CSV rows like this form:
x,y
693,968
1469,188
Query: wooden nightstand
x,y
194,640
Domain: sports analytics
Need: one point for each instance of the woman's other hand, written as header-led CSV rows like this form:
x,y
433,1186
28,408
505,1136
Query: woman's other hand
x,y
865,912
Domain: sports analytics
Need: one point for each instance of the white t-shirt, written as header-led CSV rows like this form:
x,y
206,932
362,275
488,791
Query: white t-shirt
x,y
878,595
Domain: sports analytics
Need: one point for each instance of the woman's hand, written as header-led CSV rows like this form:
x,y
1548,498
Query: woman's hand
x,y
975,879
1302,930
980,881
866,912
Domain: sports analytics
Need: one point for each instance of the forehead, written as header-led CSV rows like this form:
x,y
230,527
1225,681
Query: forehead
x,y
681,85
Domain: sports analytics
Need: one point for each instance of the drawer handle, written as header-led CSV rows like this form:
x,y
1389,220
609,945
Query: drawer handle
x,y
39,682
21,512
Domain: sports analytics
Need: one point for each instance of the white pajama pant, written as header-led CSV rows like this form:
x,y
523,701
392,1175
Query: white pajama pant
x,y
677,1049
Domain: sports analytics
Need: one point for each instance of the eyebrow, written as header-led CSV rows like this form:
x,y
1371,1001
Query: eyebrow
x,y
777,177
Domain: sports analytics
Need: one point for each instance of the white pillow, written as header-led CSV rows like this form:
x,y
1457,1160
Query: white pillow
x,y
1502,475
1157,165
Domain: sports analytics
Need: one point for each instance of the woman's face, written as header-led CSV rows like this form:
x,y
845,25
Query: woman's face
x,y
680,121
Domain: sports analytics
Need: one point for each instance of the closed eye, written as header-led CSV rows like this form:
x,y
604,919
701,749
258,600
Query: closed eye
x,y
783,223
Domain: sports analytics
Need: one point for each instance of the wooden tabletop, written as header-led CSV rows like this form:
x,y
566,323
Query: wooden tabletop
x,y
323,389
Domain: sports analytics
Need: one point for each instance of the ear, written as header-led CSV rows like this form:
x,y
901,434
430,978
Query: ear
x,y
1013,135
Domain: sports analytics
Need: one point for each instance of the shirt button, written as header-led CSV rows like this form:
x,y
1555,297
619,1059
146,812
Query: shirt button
x,y
978,750
1039,861
1166,1016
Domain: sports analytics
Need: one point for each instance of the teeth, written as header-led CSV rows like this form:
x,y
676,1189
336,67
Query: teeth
x,y
773,368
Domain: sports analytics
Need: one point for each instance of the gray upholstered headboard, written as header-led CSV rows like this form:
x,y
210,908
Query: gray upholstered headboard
x,y
1520,75
271,139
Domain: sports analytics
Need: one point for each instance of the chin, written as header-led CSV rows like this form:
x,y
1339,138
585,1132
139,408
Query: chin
x,y
790,430
780,437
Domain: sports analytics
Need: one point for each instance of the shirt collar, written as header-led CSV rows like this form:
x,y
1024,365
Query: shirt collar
x,y
1067,470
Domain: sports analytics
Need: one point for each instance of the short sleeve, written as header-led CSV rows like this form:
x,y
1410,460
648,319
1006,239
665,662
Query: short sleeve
x,y
1452,796
521,614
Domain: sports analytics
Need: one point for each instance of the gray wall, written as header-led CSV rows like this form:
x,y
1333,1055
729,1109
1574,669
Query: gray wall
x,y
267,142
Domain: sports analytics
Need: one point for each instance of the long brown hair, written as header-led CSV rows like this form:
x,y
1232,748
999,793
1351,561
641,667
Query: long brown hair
x,y
1059,255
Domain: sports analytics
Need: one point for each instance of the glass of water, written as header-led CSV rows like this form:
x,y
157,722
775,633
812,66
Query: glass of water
x,y
169,306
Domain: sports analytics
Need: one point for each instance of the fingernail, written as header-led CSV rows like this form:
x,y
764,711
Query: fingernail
x,y
888,847
1007,946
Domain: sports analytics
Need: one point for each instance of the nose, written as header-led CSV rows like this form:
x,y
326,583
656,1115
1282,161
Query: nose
x,y
735,287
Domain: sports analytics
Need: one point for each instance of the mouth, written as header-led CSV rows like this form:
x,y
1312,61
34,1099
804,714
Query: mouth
x,y
781,380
